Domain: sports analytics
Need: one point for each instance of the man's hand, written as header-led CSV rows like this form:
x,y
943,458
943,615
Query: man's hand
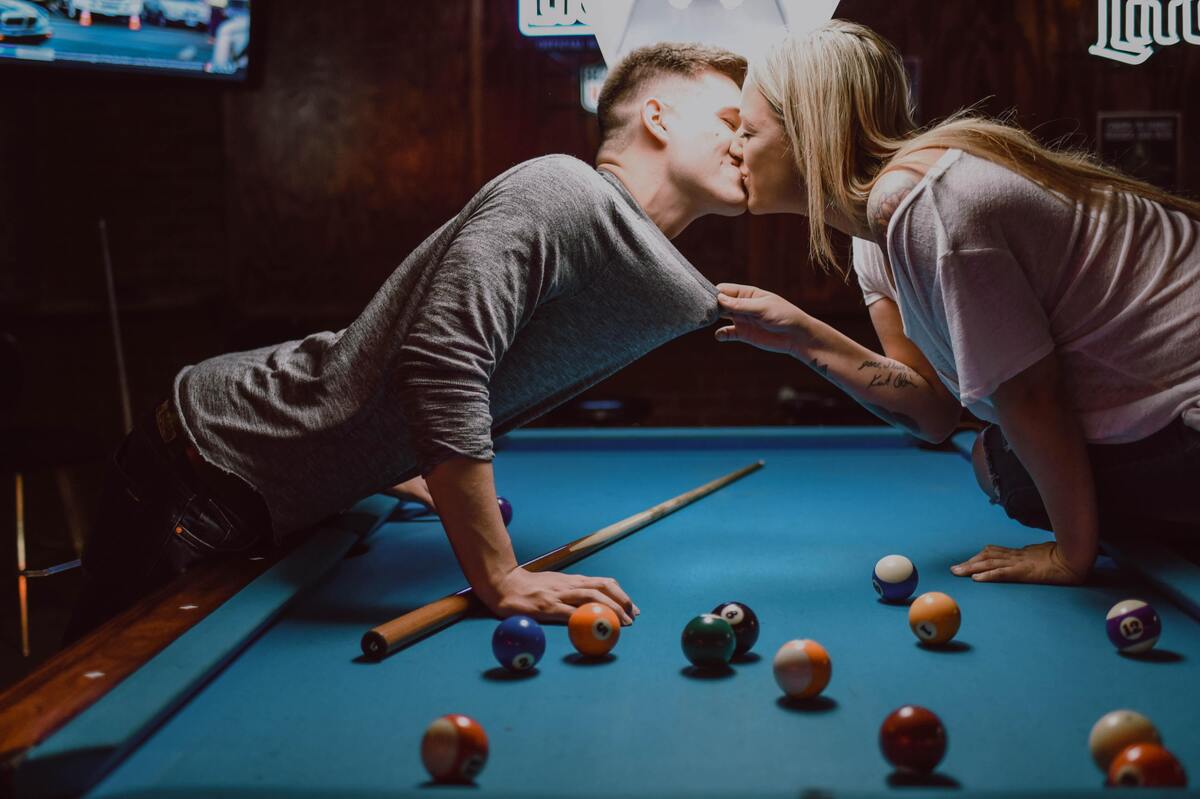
x,y
552,596
1036,563
414,490
761,319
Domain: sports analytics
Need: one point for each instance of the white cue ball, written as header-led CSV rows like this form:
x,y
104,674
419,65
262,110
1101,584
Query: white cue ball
x,y
1117,730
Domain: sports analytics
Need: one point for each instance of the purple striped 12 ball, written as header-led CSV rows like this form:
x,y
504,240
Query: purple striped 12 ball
x,y
894,578
1133,626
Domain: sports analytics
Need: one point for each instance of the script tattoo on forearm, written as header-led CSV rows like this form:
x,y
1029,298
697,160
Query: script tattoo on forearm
x,y
895,418
892,375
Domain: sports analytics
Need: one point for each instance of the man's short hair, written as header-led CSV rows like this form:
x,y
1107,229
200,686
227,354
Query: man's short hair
x,y
655,61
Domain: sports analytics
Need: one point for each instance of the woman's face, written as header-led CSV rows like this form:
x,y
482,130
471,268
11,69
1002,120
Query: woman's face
x,y
761,147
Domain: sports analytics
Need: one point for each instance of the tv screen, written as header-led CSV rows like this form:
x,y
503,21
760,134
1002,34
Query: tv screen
x,y
203,38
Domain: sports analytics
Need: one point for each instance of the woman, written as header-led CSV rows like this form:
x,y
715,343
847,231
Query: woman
x,y
1055,298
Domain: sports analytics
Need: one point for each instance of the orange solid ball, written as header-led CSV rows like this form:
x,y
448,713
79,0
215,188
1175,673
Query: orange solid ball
x,y
934,617
1146,765
594,629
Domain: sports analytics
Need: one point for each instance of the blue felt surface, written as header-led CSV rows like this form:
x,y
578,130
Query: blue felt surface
x,y
300,713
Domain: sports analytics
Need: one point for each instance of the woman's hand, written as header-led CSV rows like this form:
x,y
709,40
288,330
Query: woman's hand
x,y
553,596
762,319
1036,563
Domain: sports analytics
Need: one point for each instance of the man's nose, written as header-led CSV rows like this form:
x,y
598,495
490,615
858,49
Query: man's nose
x,y
735,147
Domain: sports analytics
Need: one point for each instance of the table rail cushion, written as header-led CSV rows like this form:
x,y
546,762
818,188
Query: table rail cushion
x,y
71,761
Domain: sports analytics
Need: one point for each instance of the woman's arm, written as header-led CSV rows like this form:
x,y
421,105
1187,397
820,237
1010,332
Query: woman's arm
x,y
1045,435
899,386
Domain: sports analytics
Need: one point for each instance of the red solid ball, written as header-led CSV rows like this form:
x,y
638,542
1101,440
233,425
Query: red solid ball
x,y
913,739
1146,765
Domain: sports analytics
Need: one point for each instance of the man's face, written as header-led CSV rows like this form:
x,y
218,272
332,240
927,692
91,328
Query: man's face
x,y
702,115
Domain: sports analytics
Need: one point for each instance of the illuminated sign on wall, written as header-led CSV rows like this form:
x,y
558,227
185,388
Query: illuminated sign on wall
x,y
1129,30
591,81
553,18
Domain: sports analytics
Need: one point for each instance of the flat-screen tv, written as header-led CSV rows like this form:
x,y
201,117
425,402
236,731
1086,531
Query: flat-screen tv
x,y
203,38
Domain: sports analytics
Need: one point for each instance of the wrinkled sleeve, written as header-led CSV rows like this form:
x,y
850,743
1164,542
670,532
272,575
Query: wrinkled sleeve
x,y
486,285
868,261
996,322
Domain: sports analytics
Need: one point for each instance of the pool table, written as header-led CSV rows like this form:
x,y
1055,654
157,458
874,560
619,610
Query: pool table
x,y
263,691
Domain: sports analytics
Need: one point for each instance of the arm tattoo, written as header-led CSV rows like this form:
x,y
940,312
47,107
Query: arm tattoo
x,y
890,190
893,374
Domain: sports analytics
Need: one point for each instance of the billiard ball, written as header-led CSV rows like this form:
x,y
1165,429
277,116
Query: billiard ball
x,y
505,510
708,642
1133,626
913,739
454,749
594,629
1146,765
934,617
744,623
518,643
1117,730
894,578
802,669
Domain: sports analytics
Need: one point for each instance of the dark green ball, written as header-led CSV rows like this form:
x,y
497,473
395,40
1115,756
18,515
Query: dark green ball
x,y
708,641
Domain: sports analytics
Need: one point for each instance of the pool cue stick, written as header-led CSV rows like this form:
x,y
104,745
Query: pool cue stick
x,y
380,641
122,378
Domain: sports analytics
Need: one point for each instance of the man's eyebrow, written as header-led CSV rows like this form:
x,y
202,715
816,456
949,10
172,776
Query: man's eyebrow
x,y
730,109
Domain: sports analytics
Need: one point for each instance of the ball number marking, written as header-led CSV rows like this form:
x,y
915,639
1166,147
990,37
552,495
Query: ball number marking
x,y
523,661
602,630
733,614
878,587
472,766
927,630
1132,628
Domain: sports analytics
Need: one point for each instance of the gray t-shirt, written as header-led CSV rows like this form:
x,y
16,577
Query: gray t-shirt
x,y
550,279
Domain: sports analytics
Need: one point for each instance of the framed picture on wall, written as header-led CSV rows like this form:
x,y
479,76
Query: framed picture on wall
x,y
1147,145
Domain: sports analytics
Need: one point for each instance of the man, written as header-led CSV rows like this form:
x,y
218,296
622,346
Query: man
x,y
554,275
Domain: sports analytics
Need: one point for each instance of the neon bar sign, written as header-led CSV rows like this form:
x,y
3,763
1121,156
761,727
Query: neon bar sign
x,y
1131,29
553,18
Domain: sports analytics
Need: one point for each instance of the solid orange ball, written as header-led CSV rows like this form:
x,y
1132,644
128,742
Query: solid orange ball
x,y
934,617
594,629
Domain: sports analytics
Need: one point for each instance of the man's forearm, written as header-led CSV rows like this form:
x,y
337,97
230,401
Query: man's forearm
x,y
894,392
464,491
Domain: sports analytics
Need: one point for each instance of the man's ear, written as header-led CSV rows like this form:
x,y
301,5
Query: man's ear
x,y
653,113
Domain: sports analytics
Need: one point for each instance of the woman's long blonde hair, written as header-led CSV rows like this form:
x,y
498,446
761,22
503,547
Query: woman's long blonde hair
x,y
843,97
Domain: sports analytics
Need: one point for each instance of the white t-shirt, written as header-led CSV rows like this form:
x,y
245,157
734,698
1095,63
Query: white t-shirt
x,y
992,272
